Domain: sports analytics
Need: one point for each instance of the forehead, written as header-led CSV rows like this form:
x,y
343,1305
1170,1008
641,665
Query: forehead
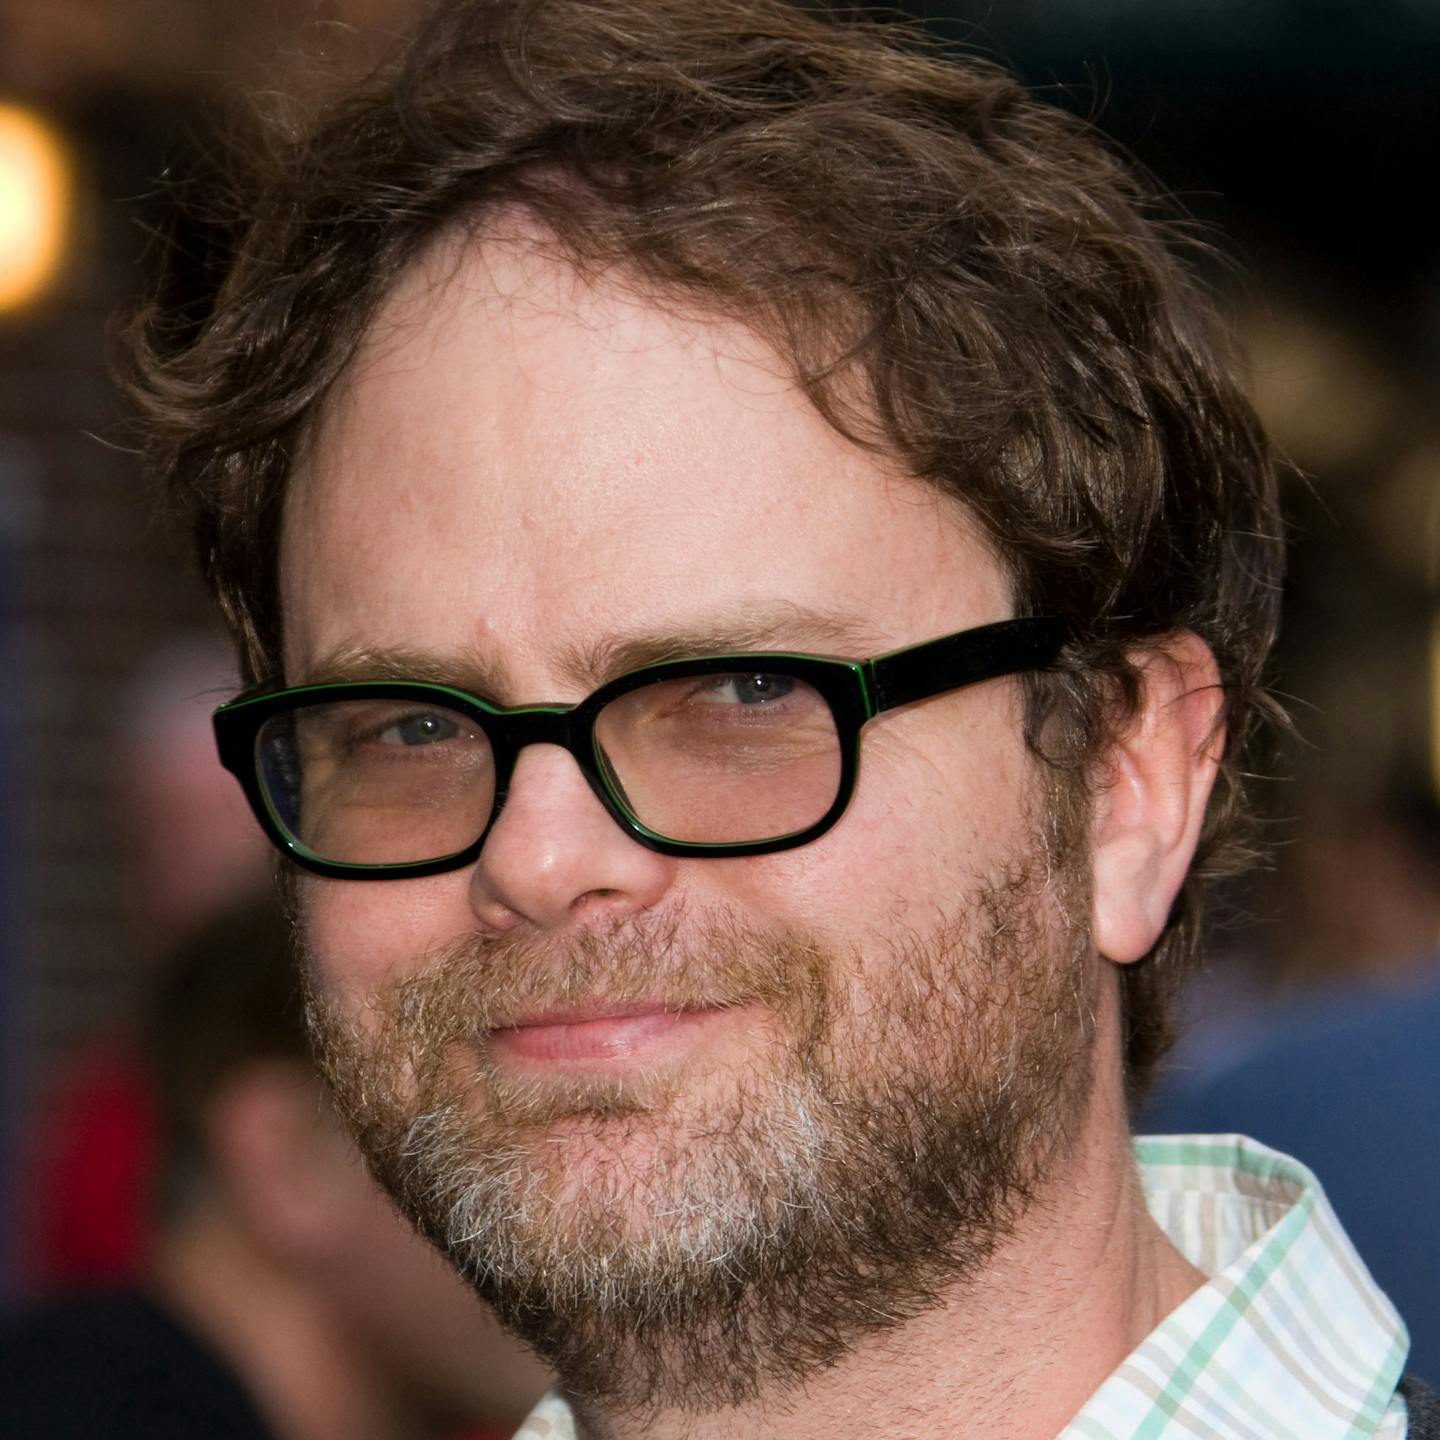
x,y
522,460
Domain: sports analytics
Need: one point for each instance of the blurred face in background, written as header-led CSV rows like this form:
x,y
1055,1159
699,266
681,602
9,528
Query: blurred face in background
x,y
432,1348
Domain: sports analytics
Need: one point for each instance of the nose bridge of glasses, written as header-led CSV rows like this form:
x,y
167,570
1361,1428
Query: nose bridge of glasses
x,y
541,725
565,726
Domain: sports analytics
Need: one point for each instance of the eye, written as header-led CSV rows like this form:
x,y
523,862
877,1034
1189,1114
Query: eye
x,y
747,689
426,728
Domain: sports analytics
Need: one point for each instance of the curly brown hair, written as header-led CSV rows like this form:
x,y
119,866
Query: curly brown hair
x,y
960,276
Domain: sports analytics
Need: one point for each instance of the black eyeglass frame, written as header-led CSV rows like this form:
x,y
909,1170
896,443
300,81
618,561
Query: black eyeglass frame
x,y
855,690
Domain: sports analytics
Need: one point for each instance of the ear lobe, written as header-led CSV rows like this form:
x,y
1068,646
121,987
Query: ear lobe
x,y
1150,801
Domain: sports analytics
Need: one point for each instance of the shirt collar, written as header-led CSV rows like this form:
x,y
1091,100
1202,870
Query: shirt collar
x,y
1289,1339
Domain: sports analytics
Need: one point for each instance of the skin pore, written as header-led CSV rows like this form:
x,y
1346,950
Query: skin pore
x,y
525,477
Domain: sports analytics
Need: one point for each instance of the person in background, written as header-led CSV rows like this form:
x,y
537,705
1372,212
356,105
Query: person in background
x,y
283,1296
188,851
1346,1077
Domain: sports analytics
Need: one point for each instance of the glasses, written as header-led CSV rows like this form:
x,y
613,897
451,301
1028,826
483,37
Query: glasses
x,y
725,755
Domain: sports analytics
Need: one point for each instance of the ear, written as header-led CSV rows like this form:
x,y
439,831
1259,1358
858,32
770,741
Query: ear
x,y
276,1154
1151,795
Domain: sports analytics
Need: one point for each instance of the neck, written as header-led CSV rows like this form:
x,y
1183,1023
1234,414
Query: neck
x,y
290,1352
1015,1351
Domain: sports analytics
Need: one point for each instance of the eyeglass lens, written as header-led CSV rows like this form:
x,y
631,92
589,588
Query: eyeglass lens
x,y
707,759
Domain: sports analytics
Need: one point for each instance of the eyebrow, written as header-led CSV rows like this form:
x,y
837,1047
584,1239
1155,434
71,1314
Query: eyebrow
x,y
351,663
787,628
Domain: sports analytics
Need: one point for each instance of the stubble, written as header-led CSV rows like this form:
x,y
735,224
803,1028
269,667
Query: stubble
x,y
663,1245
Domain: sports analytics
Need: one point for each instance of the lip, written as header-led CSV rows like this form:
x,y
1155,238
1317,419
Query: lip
x,y
602,1035
585,1014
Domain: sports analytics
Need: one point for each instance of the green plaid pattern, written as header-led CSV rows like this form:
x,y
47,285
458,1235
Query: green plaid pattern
x,y
1290,1339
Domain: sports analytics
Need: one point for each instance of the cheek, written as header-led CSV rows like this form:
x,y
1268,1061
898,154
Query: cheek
x,y
940,808
360,934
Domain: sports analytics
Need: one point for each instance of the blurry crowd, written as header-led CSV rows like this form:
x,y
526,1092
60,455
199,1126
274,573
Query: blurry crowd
x,y
229,1268
166,1151
190,1244
201,1250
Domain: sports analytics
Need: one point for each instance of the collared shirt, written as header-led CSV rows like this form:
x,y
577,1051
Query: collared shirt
x,y
1290,1339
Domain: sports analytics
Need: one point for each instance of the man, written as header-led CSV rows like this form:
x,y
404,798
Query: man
x,y
576,395
280,1294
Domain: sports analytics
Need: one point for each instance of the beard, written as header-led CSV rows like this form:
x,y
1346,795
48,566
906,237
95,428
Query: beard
x,y
666,1243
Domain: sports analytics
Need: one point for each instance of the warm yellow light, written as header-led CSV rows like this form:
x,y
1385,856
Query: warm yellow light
x,y
34,206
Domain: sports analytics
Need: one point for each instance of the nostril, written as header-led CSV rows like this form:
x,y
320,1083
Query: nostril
x,y
601,894
600,902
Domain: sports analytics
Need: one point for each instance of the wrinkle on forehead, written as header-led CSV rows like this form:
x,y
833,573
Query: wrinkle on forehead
x,y
510,266
563,350
511,272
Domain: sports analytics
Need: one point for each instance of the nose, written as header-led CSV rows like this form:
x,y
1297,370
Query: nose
x,y
555,857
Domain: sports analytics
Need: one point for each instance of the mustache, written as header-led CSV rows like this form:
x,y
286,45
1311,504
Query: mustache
x,y
478,983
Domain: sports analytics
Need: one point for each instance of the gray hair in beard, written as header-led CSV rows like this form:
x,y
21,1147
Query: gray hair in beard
x,y
660,1249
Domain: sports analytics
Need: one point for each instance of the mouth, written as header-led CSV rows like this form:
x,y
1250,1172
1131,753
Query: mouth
x,y
610,1037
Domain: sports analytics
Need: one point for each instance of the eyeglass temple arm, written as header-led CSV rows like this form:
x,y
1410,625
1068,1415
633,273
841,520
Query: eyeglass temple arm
x,y
1005,648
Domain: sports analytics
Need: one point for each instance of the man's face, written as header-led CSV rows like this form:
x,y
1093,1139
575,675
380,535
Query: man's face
x,y
715,1116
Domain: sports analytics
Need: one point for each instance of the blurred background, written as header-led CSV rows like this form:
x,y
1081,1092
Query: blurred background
x,y
1300,137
